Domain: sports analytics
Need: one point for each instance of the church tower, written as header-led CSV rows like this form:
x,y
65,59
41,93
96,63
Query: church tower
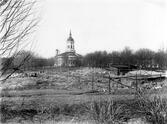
x,y
69,58
70,43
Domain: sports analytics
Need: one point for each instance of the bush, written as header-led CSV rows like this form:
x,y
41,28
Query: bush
x,y
155,110
108,112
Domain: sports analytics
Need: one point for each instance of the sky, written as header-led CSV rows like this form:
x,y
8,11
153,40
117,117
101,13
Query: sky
x,y
101,25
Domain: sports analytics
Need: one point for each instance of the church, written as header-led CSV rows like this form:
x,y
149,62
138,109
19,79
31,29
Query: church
x,y
69,58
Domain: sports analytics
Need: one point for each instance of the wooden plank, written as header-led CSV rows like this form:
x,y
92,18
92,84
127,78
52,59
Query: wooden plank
x,y
134,77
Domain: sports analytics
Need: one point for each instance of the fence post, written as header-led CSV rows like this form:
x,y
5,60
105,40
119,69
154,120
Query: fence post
x,y
136,85
93,81
109,86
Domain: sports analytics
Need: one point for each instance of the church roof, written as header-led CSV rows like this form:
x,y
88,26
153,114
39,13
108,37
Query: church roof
x,y
69,54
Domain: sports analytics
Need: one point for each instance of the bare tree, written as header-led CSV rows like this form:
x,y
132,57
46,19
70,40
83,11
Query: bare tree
x,y
17,22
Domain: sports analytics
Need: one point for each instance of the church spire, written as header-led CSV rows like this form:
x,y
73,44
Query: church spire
x,y
70,37
70,33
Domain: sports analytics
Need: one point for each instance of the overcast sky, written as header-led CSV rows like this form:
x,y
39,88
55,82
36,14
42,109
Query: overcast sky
x,y
101,25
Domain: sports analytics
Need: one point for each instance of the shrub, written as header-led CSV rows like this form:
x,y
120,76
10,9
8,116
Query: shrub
x,y
108,112
154,110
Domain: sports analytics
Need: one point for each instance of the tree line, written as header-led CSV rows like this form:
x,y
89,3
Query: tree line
x,y
29,59
143,58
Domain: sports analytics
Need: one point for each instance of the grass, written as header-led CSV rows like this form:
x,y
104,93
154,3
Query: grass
x,y
99,111
74,105
106,109
39,110
99,108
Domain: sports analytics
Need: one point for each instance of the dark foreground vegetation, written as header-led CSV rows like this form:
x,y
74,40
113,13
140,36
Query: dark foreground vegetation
x,y
106,112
